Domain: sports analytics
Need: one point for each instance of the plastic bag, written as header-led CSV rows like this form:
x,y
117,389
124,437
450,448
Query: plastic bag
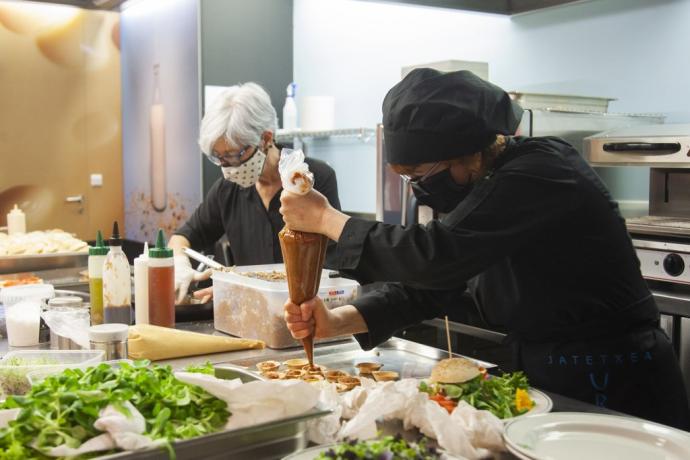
x,y
294,172
73,324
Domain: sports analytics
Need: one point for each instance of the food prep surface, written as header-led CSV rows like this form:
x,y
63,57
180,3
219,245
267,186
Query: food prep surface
x,y
407,358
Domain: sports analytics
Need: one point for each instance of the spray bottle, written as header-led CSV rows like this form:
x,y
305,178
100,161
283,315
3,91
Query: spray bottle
x,y
290,108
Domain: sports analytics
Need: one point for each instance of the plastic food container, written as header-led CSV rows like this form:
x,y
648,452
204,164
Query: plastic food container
x,y
15,294
15,365
35,377
252,308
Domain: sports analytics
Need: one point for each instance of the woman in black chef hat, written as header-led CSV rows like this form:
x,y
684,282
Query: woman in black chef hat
x,y
529,226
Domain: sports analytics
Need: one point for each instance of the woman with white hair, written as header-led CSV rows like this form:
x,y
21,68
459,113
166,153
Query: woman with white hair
x,y
237,135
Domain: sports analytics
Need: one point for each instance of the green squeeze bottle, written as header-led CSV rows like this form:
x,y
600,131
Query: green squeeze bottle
x,y
97,255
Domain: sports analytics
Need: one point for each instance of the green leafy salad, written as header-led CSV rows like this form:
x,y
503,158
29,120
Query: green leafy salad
x,y
386,448
505,396
63,408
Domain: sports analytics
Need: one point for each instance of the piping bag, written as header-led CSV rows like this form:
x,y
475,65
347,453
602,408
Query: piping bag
x,y
303,252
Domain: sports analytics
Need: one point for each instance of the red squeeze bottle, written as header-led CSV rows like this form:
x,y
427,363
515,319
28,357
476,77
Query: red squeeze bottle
x,y
161,284
303,254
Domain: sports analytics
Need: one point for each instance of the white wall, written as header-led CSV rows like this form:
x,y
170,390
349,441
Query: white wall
x,y
632,50
355,50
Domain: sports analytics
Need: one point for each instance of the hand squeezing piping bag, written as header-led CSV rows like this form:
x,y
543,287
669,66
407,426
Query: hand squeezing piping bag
x,y
303,252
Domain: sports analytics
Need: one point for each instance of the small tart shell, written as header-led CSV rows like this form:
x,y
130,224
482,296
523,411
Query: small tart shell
x,y
297,363
267,366
334,375
342,388
315,370
368,368
295,374
274,375
350,382
385,376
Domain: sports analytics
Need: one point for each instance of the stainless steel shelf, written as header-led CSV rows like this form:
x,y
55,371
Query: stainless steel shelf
x,y
364,134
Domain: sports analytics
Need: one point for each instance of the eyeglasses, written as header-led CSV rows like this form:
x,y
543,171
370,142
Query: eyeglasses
x,y
418,180
232,159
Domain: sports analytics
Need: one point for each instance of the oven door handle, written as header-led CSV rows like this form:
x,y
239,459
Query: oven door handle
x,y
650,148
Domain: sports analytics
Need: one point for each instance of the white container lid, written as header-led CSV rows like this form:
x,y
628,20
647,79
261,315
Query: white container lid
x,y
15,294
113,332
235,277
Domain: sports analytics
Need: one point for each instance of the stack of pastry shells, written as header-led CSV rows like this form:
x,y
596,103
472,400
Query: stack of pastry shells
x,y
299,369
40,242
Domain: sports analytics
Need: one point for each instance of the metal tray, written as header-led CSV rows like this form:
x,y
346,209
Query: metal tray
x,y
34,262
409,359
265,441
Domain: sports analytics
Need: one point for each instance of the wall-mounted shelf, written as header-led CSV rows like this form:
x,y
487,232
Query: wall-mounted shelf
x,y
508,7
364,134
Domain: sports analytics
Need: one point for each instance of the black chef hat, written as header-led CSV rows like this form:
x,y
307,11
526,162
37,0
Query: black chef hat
x,y
431,116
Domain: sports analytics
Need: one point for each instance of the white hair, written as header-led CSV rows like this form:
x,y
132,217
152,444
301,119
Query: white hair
x,y
242,113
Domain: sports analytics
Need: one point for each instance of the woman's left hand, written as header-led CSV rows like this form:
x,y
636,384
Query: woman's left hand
x,y
304,213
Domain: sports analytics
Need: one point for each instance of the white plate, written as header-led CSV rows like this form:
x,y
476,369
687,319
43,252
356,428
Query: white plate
x,y
576,435
312,452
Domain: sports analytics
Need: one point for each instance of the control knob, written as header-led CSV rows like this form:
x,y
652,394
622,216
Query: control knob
x,y
674,264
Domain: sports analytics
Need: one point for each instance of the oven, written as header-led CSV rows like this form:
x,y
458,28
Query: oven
x,y
662,238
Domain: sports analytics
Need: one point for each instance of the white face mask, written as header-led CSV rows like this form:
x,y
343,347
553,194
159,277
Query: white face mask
x,y
246,174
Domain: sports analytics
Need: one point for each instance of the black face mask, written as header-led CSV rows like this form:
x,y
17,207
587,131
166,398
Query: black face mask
x,y
440,192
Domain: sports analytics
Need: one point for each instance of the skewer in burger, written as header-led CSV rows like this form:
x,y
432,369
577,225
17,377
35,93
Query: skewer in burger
x,y
459,379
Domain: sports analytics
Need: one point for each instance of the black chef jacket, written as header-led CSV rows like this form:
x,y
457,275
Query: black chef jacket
x,y
240,214
541,238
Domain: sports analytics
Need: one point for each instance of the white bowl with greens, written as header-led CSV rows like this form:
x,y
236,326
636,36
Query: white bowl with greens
x,y
385,448
16,365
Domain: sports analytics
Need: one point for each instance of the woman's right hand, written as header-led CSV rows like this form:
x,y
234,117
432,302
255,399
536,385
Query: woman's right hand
x,y
311,317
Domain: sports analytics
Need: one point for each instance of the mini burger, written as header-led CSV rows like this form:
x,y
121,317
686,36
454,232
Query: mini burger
x,y
450,379
455,370
459,379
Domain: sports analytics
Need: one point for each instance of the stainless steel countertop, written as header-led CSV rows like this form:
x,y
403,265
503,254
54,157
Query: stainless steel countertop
x,y
560,403
348,347
206,327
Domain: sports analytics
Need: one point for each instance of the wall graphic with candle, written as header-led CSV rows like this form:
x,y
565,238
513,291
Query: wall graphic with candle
x,y
160,106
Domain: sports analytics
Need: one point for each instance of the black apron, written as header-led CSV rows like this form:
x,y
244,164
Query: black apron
x,y
623,362
636,372
626,363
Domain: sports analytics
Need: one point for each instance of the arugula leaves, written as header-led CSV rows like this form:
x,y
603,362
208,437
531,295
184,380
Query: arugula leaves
x,y
495,394
63,408
386,448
